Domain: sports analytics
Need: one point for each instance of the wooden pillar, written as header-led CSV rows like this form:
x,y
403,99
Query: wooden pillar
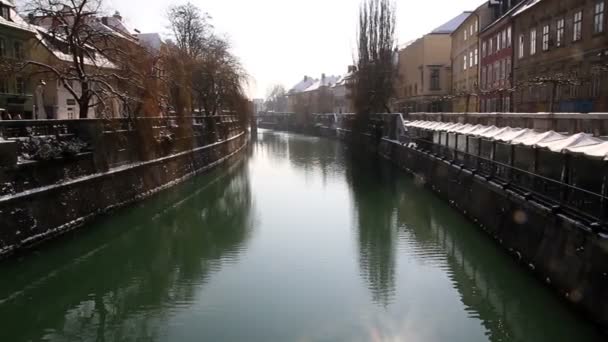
x,y
565,177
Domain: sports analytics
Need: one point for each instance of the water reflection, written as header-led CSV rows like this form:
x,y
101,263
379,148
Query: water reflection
x,y
374,194
120,282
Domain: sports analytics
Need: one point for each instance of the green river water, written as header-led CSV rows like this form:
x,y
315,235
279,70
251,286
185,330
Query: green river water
x,y
300,240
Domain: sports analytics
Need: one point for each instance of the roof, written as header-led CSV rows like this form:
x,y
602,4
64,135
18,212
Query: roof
x,y
453,24
46,40
526,7
302,85
580,143
323,82
509,13
16,22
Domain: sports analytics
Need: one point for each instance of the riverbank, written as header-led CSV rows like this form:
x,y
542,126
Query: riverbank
x,y
39,214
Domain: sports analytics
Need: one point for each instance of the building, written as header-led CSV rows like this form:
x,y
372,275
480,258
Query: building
x,y
296,100
465,61
341,93
496,67
16,40
425,70
561,56
120,53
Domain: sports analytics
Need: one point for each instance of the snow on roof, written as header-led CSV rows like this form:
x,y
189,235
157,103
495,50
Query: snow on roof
x,y
580,143
453,24
599,151
45,39
526,7
323,82
302,85
16,22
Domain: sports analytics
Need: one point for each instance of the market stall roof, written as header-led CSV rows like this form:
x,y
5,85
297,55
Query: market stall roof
x,y
598,151
511,134
534,138
576,140
581,143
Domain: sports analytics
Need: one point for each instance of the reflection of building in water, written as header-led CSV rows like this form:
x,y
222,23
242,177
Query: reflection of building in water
x,y
120,283
492,287
374,199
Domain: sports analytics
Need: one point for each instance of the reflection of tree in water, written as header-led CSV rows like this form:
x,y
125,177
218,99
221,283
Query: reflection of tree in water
x,y
374,191
119,281
492,288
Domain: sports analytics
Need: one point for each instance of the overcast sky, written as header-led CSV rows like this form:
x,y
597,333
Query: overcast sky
x,y
280,41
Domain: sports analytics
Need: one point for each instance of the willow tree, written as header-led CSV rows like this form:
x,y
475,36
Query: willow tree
x,y
376,67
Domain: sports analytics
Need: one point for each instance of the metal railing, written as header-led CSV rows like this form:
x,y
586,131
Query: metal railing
x,y
584,204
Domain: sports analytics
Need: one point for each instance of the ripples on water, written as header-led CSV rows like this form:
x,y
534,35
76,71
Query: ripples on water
x,y
304,240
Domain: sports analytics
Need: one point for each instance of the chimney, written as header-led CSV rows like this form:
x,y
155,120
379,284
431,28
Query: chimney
x,y
323,77
117,16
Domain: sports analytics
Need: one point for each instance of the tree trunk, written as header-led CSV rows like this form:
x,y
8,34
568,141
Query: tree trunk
x,y
553,96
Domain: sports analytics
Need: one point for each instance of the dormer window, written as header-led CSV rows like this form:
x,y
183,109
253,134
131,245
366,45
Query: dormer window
x,y
5,12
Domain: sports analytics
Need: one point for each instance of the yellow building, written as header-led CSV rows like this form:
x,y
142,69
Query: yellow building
x,y
425,71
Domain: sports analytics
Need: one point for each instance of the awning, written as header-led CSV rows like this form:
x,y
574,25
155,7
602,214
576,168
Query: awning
x,y
577,140
599,151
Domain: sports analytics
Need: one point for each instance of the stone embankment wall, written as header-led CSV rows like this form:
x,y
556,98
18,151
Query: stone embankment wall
x,y
565,253
53,205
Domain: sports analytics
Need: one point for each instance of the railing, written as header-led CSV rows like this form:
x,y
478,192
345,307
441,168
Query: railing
x,y
589,206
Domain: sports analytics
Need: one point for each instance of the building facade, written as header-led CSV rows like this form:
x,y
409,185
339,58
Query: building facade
x,y
561,56
16,40
465,64
425,71
496,67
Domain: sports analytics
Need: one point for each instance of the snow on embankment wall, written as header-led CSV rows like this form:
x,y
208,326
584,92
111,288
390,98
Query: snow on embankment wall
x,y
32,216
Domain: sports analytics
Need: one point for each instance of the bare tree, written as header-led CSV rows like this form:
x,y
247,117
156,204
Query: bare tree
x,y
218,77
72,31
276,100
374,78
191,29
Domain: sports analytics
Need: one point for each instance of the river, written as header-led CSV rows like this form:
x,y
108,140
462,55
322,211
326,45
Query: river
x,y
300,240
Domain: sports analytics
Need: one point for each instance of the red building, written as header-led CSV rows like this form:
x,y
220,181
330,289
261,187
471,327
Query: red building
x,y
496,64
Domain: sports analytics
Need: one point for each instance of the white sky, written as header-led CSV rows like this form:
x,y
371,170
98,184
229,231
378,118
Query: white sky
x,y
280,41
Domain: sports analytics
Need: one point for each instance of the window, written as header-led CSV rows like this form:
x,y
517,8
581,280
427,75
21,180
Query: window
x,y
20,85
560,32
546,38
577,27
508,69
521,46
483,77
490,75
2,47
18,50
471,61
598,17
498,42
532,41
5,12
476,25
502,70
476,56
504,39
465,34
496,71
596,84
484,47
3,86
464,65
471,31
509,36
491,49
435,84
